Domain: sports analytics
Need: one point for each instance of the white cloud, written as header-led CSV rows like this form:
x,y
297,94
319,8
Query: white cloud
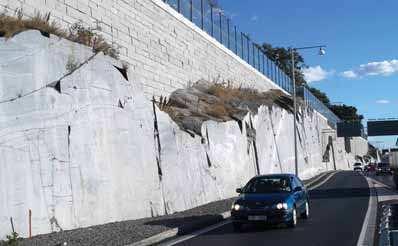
x,y
254,18
384,68
383,101
313,74
349,74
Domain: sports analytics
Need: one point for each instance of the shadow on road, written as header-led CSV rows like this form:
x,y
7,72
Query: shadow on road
x,y
350,193
339,193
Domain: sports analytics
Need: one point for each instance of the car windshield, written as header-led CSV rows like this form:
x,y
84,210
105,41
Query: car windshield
x,y
268,185
357,164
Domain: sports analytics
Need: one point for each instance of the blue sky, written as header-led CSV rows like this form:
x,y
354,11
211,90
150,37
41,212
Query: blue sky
x,y
361,64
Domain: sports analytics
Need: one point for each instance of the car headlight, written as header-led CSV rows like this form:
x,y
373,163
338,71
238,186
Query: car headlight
x,y
236,207
281,205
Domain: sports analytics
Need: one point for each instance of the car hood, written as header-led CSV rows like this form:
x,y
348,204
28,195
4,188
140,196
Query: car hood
x,y
269,198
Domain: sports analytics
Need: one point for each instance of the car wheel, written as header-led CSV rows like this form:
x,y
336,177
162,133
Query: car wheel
x,y
293,222
237,226
306,213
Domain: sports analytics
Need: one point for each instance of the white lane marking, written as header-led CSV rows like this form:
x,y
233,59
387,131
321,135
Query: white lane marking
x,y
318,178
324,181
195,234
369,212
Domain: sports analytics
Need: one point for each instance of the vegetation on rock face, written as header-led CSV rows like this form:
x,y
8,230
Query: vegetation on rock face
x,y
12,240
12,25
220,102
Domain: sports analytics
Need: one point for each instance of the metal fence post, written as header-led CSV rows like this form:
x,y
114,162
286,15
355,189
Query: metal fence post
x,y
241,39
220,26
179,6
258,58
248,50
202,14
229,44
211,18
236,41
254,55
191,10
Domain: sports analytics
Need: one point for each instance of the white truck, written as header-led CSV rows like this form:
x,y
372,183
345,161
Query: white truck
x,y
393,160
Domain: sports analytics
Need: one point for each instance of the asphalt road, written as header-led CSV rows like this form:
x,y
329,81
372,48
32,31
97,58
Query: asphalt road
x,y
337,208
384,178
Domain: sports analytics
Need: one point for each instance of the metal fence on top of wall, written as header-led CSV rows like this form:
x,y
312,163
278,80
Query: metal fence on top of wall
x,y
211,19
315,103
216,24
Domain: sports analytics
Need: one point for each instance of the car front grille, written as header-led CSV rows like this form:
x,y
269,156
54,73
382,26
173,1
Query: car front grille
x,y
259,205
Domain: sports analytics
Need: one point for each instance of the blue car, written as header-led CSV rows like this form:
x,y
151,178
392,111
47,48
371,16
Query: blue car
x,y
271,199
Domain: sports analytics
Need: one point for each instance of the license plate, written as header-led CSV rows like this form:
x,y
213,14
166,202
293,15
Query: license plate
x,y
257,218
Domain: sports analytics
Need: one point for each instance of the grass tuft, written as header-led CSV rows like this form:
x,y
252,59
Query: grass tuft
x,y
13,25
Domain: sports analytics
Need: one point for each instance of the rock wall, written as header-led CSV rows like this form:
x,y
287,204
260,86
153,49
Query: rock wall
x,y
85,147
165,51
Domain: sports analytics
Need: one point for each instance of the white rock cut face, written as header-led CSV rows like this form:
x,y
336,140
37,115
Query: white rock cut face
x,y
82,150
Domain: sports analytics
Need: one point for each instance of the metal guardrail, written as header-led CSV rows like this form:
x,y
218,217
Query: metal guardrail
x,y
212,20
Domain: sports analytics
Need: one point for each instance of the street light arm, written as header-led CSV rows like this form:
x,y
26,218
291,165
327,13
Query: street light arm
x,y
309,47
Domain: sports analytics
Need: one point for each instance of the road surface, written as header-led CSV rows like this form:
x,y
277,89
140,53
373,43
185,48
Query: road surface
x,y
384,178
338,208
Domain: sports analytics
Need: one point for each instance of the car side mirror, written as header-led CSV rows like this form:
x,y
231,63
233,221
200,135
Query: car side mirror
x,y
297,189
239,190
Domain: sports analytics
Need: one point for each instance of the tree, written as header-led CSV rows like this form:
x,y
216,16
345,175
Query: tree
x,y
320,95
281,56
346,113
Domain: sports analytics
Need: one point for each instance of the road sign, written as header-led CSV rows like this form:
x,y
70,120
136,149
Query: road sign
x,y
383,128
349,129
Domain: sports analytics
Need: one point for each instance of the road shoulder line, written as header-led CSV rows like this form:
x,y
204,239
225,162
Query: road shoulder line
x,y
366,237
321,176
323,181
158,238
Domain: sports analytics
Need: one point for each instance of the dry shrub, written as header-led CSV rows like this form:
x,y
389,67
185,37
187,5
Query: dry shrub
x,y
227,92
218,110
12,25
220,102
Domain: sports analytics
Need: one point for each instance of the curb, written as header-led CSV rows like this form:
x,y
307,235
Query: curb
x,y
173,232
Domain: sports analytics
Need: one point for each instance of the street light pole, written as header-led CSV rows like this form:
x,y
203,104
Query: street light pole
x,y
294,113
292,51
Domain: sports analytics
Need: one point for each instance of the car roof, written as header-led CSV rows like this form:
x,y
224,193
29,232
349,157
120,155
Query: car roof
x,y
276,175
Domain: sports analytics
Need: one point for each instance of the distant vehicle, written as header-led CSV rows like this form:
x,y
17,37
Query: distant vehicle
x,y
393,160
371,167
271,199
358,166
383,167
